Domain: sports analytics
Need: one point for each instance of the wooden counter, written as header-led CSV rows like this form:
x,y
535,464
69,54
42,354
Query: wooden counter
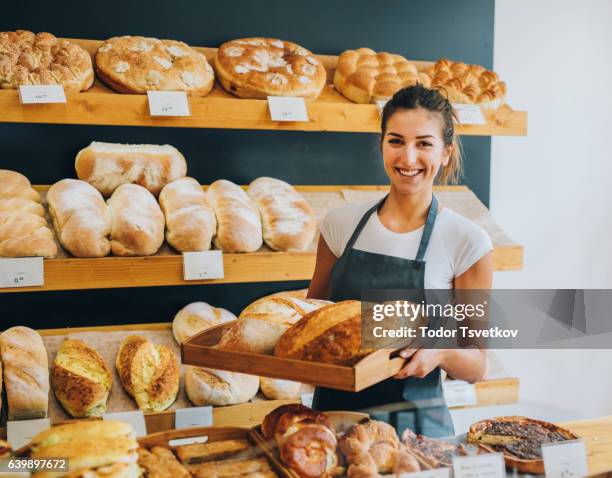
x,y
597,434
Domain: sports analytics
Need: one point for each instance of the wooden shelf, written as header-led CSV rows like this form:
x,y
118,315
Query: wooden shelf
x,y
330,112
502,391
166,268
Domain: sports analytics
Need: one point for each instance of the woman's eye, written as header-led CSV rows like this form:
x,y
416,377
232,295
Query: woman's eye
x,y
425,144
395,141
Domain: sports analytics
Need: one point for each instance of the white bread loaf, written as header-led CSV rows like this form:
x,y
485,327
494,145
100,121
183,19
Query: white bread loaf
x,y
219,387
16,203
80,217
14,184
190,221
137,222
108,165
289,223
278,389
197,317
238,220
26,373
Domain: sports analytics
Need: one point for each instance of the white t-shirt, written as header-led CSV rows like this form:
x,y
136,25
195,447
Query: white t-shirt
x,y
456,243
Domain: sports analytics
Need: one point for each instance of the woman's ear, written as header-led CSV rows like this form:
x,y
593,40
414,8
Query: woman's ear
x,y
448,153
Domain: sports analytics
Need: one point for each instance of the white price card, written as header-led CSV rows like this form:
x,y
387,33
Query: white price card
x,y
435,473
22,272
32,94
287,108
20,432
459,393
489,465
307,399
565,459
380,104
187,441
193,417
134,418
203,265
168,103
469,114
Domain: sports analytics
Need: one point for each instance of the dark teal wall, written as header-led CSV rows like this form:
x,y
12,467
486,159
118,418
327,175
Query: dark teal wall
x,y
420,30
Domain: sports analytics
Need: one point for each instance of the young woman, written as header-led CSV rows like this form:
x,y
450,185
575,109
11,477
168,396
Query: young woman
x,y
407,241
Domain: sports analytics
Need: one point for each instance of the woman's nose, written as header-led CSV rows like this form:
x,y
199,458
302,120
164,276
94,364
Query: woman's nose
x,y
410,155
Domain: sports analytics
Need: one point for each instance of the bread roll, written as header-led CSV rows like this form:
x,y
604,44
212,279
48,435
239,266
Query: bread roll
x,y
80,217
137,222
329,335
23,234
197,317
289,223
219,387
190,221
26,373
278,389
14,184
16,203
238,221
148,372
106,166
81,379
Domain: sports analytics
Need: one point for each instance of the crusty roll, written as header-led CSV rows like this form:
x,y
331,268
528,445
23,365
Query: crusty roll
x,y
14,184
106,166
81,218
197,317
81,379
26,373
190,221
268,425
238,220
289,223
148,372
23,234
219,387
310,451
137,222
331,334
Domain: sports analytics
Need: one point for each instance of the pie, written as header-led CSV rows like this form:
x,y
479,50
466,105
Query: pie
x,y
434,453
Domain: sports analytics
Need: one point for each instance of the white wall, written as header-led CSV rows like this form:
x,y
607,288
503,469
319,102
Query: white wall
x,y
552,190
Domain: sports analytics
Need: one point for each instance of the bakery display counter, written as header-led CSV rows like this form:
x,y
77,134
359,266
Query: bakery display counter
x,y
330,112
166,267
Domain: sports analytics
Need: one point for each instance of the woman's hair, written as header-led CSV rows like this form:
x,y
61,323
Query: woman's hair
x,y
418,96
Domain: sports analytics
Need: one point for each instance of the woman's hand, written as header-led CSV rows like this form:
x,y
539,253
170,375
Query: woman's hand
x,y
420,362
464,364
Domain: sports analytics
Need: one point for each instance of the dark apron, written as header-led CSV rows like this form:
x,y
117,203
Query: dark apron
x,y
412,403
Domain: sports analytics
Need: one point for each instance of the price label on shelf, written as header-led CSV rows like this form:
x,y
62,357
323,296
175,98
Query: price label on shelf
x,y
287,108
380,104
459,393
436,473
134,418
565,460
469,114
307,399
20,432
193,417
168,103
22,272
490,465
203,265
32,94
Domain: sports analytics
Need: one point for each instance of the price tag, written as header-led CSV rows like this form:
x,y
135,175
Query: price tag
x,y
307,399
22,272
21,432
436,473
203,265
134,418
168,103
489,465
469,114
287,108
459,393
380,104
187,441
193,417
31,94
565,460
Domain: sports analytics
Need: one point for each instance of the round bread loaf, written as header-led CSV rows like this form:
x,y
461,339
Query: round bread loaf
x,y
197,317
279,389
219,387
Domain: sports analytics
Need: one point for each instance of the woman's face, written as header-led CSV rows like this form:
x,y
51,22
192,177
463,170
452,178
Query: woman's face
x,y
413,150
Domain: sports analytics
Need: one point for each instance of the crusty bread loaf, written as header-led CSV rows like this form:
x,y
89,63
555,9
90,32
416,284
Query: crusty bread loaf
x,y
80,217
218,387
238,219
278,389
197,317
289,223
106,166
81,379
14,184
190,221
26,373
148,372
331,334
137,222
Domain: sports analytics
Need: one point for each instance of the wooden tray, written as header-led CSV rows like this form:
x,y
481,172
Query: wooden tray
x,y
376,367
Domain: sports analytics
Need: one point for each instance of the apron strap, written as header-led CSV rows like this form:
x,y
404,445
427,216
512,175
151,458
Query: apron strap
x,y
427,229
362,223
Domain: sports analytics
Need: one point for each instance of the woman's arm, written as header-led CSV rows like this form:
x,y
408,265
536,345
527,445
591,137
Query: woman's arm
x,y
319,285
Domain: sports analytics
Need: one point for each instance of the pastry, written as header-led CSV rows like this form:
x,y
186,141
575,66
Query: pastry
x,y
160,463
289,223
213,451
81,379
434,453
190,221
261,67
197,317
365,76
107,166
251,468
135,65
219,387
42,59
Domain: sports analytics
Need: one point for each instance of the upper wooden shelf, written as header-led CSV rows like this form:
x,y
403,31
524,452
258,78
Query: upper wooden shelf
x,y
166,267
330,112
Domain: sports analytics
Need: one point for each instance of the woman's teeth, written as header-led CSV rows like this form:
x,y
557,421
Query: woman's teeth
x,y
408,172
